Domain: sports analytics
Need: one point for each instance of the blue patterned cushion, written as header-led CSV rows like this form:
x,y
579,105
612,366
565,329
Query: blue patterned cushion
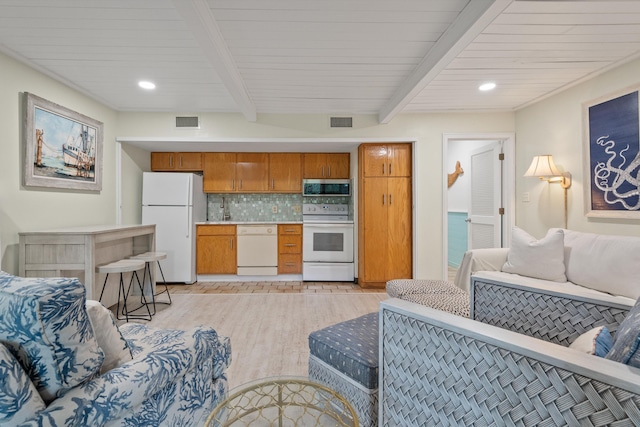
x,y
351,347
627,339
19,399
44,324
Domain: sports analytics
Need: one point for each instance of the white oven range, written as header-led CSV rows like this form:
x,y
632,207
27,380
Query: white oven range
x,y
327,243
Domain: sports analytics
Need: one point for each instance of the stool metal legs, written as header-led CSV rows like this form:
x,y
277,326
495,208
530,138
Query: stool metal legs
x,y
166,288
122,292
147,267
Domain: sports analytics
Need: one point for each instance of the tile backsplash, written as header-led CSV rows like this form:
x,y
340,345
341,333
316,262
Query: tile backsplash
x,y
259,207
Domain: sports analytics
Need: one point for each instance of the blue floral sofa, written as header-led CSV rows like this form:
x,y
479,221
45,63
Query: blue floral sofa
x,y
65,362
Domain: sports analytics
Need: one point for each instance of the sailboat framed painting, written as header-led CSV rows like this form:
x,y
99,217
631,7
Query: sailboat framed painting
x,y
612,155
62,148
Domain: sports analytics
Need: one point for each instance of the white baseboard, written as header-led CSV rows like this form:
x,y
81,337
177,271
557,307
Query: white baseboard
x,y
236,278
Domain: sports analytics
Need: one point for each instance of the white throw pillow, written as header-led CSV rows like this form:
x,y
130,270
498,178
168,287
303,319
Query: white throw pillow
x,y
597,341
605,263
113,345
541,259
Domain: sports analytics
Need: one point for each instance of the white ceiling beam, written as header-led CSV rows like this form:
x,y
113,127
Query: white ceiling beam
x,y
200,20
468,25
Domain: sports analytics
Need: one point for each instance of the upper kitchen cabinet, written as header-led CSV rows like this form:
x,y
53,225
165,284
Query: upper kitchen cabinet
x,y
219,172
285,172
326,165
386,160
182,162
252,172
236,172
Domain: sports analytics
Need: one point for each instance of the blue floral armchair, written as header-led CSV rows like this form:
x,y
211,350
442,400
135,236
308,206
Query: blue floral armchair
x,y
54,355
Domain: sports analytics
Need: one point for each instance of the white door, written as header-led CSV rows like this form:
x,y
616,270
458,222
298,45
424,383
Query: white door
x,y
484,221
174,235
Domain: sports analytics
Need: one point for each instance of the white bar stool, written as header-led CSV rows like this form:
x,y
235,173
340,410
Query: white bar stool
x,y
124,266
149,258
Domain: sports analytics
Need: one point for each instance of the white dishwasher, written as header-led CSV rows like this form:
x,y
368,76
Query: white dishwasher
x,y
257,250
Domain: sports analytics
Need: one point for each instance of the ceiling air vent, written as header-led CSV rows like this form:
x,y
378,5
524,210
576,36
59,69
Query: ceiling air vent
x,y
341,122
188,122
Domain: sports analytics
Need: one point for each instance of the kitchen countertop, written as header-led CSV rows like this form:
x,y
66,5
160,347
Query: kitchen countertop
x,y
91,229
231,222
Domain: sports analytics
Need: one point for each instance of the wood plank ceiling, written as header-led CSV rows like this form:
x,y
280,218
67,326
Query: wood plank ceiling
x,y
337,57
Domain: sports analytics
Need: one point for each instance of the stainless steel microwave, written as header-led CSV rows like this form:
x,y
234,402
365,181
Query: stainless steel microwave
x,y
326,187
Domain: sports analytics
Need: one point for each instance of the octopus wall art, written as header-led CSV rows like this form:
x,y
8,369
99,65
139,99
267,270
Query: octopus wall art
x,y
614,156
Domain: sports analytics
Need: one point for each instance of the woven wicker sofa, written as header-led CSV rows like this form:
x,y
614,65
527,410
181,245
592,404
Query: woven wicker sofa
x,y
440,369
601,286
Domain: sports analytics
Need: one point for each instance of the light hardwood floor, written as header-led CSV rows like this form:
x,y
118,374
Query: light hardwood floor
x,y
267,287
268,331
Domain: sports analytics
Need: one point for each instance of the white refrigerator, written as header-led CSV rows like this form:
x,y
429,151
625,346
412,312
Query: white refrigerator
x,y
174,202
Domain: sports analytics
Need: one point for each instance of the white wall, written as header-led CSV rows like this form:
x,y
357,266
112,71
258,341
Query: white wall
x,y
134,161
554,126
23,209
459,193
425,129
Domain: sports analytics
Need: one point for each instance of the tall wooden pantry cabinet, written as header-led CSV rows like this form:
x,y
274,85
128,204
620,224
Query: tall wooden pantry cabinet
x,y
384,214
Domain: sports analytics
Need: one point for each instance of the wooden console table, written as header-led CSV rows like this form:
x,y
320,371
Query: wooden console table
x,y
75,252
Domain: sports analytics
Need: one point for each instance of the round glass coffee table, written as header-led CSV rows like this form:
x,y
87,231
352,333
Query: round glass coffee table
x,y
283,401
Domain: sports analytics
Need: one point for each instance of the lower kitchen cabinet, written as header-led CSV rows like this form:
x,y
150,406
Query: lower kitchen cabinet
x,y
289,249
216,249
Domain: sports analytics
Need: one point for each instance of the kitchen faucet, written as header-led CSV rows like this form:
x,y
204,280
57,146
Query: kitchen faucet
x,y
225,216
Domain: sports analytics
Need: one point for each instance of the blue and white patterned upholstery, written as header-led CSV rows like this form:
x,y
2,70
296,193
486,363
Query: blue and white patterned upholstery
x,y
175,378
18,396
626,341
44,324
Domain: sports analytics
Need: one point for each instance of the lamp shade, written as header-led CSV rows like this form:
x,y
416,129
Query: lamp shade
x,y
543,167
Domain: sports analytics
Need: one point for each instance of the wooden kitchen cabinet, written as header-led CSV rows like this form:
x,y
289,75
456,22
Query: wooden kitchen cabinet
x,y
386,160
216,249
326,165
252,172
384,226
236,172
219,172
174,162
289,249
285,172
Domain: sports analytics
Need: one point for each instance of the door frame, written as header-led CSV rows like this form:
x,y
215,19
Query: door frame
x,y
508,185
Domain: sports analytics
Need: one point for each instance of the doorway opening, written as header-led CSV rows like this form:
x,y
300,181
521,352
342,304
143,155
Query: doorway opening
x,y
478,194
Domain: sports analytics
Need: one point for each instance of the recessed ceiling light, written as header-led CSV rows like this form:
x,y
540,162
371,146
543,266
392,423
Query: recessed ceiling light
x,y
146,85
487,86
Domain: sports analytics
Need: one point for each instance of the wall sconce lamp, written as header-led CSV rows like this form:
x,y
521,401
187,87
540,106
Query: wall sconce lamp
x,y
544,168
